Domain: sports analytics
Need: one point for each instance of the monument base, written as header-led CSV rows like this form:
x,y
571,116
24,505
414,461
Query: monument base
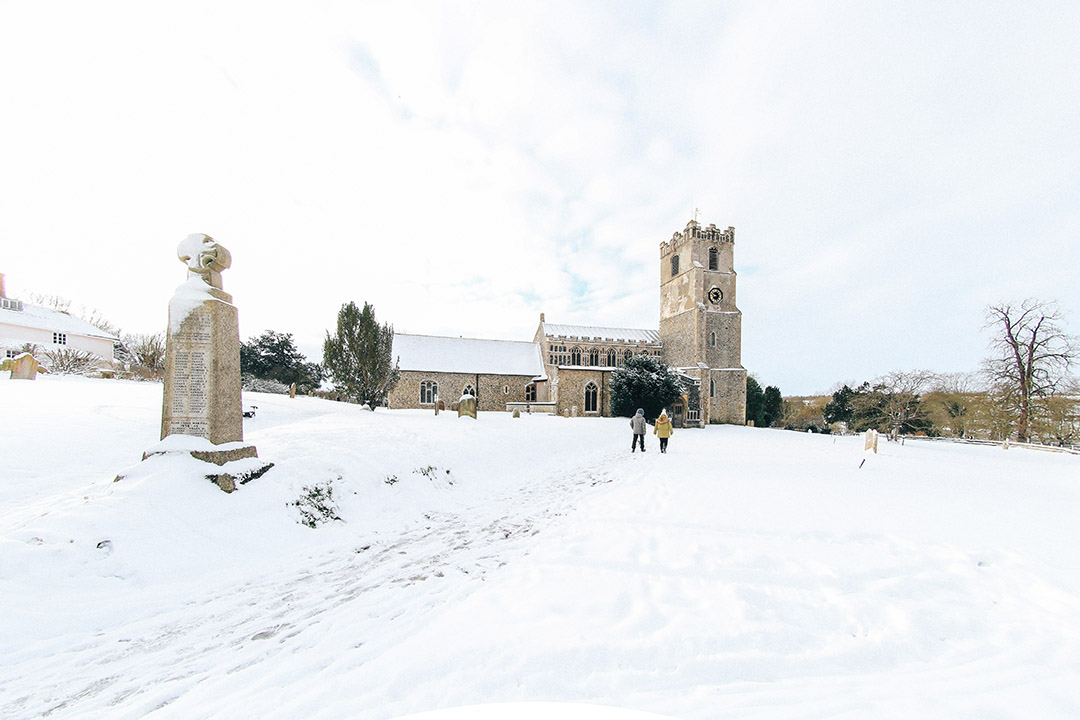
x,y
237,455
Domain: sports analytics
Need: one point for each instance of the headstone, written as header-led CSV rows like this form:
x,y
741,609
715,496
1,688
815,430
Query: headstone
x,y
467,406
517,412
573,411
292,390
202,352
871,441
24,367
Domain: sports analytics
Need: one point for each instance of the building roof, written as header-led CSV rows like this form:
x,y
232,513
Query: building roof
x,y
432,353
43,318
589,332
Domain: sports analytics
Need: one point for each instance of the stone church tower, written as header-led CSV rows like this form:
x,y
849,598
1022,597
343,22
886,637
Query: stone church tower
x,y
700,326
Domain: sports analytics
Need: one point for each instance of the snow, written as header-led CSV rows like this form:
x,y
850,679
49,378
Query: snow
x,y
188,297
589,332
512,563
42,318
432,353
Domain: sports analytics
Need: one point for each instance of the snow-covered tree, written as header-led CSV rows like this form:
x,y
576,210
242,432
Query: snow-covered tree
x,y
358,358
643,382
274,356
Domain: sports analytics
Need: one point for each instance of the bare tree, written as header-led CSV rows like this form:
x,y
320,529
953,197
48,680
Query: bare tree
x,y
951,402
147,352
897,399
1032,355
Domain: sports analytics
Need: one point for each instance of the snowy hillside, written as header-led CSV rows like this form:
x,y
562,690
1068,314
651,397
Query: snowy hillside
x,y
745,574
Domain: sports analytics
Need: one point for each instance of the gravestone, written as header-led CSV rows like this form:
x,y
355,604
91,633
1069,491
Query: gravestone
x,y
23,367
202,355
467,406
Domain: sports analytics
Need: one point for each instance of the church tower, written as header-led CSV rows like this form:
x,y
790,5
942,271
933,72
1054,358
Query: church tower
x,y
700,326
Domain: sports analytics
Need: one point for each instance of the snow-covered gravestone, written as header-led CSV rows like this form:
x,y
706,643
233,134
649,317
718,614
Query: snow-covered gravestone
x,y
467,406
23,367
202,361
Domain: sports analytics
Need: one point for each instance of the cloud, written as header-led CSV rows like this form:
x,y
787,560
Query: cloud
x,y
889,168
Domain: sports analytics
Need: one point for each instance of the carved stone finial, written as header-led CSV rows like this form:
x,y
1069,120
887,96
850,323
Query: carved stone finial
x,y
204,258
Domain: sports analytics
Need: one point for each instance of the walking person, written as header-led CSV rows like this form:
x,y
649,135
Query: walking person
x,y
663,430
637,424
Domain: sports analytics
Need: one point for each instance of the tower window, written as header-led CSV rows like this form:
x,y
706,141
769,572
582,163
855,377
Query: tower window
x,y
429,390
712,388
590,398
712,339
674,265
714,259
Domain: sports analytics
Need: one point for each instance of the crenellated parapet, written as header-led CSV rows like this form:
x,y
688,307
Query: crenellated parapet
x,y
694,231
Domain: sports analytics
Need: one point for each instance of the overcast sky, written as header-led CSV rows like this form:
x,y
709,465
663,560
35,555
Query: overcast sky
x,y
890,168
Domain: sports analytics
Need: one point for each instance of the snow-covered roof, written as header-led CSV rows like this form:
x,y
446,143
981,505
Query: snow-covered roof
x,y
588,332
43,318
432,353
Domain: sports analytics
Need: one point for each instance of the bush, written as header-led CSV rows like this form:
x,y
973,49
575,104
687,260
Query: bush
x,y
316,504
69,361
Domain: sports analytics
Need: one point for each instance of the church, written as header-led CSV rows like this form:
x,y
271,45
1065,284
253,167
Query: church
x,y
566,369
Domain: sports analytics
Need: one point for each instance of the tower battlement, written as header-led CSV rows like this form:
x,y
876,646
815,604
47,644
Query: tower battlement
x,y
694,231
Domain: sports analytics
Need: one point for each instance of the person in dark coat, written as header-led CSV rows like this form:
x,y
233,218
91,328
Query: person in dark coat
x,y
637,424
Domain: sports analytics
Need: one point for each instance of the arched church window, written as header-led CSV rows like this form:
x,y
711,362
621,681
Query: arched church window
x,y
627,355
674,265
714,259
594,357
590,397
468,390
575,355
712,388
712,339
611,358
429,390
530,392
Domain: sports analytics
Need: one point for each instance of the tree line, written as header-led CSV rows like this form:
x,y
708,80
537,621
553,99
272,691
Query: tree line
x,y
1024,390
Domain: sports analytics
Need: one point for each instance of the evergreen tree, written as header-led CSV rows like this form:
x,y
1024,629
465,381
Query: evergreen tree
x,y
774,405
840,408
755,402
358,357
643,382
274,356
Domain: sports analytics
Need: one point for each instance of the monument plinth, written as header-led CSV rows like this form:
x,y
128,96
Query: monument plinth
x,y
202,358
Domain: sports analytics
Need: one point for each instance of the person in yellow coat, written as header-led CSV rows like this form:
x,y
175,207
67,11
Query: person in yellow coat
x,y
663,430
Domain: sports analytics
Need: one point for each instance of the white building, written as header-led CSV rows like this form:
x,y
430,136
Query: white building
x,y
22,323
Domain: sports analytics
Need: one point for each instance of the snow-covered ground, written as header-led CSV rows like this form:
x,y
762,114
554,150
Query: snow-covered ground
x,y
747,573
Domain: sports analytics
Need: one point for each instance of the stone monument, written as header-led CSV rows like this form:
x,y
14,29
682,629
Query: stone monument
x,y
202,358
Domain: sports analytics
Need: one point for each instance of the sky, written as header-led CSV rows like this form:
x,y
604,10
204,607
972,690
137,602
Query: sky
x,y
890,168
